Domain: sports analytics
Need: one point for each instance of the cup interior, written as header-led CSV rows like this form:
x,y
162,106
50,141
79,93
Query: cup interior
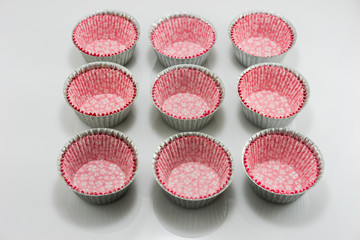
x,y
262,34
105,35
101,91
98,164
272,91
186,93
282,164
183,37
193,167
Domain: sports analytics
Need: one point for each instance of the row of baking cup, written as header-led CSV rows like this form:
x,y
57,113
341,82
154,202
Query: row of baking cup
x,y
183,38
192,168
187,96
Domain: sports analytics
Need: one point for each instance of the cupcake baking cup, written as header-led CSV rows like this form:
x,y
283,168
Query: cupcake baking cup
x,y
259,36
109,36
101,93
282,164
187,96
182,38
98,165
272,94
192,168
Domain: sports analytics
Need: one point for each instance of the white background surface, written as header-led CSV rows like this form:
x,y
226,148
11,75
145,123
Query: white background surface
x,y
36,56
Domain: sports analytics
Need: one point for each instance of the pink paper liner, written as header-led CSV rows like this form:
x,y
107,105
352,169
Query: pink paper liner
x,y
105,34
102,90
272,90
262,34
186,92
183,36
193,167
98,164
283,163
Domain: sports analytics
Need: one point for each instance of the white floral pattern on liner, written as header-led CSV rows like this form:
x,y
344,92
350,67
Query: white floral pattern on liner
x,y
183,49
99,176
262,34
186,105
101,93
193,168
260,46
106,33
98,164
105,46
282,164
103,104
182,36
269,103
187,89
193,180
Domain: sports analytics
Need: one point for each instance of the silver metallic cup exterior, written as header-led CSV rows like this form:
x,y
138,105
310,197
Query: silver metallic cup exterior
x,y
184,202
247,59
109,120
121,58
190,124
278,197
267,122
168,61
105,198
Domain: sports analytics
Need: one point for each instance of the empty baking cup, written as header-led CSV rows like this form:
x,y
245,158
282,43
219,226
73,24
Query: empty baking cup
x,y
107,36
182,38
187,96
282,164
98,164
101,93
192,168
272,94
259,37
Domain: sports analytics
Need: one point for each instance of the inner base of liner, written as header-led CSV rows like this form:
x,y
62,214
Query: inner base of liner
x,y
193,179
277,175
105,46
103,103
183,49
99,176
269,103
186,105
260,46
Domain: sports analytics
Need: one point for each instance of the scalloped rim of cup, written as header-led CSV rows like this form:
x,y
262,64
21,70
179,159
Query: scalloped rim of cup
x,y
97,65
297,136
198,134
105,131
204,70
296,73
176,15
108,12
290,25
